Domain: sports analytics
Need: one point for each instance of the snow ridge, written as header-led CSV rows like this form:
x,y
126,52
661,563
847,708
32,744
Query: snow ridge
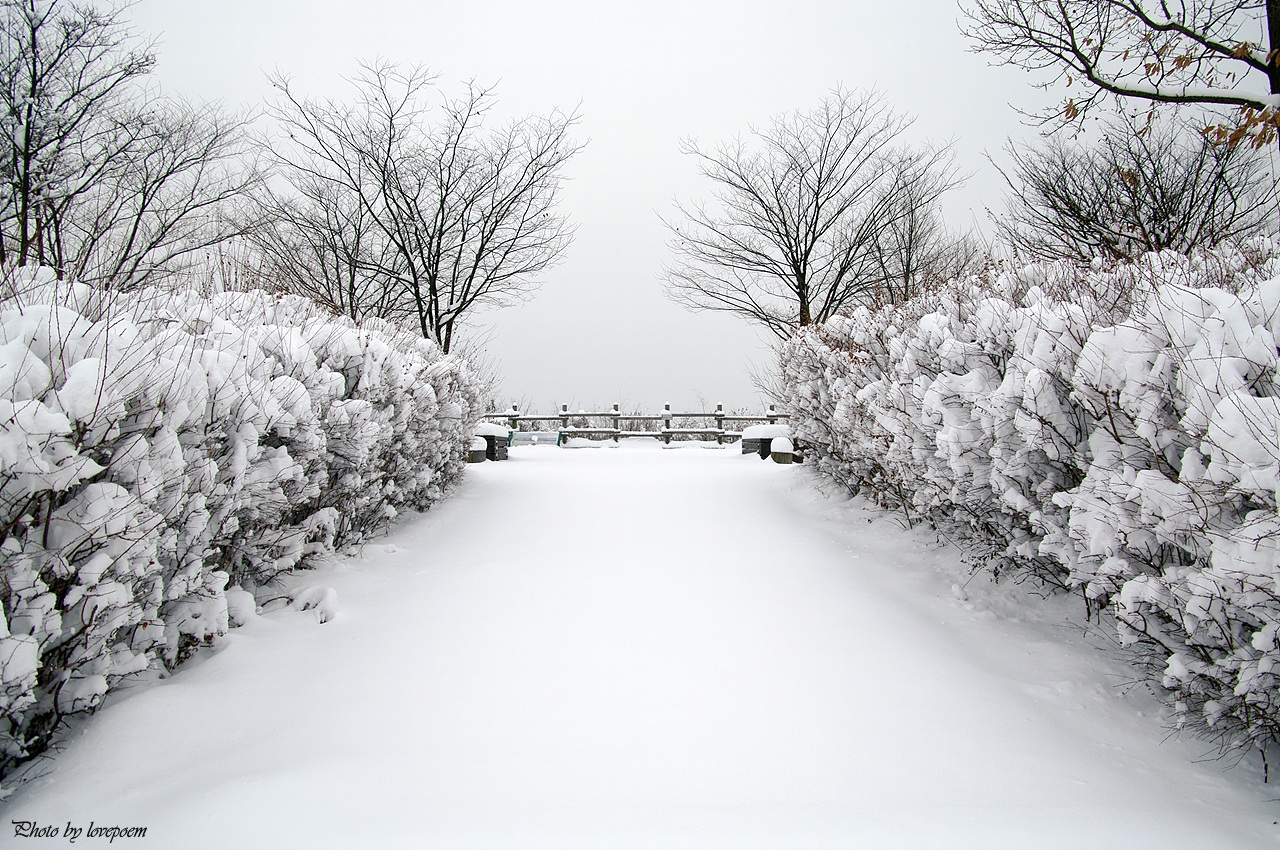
x,y
1110,431
161,450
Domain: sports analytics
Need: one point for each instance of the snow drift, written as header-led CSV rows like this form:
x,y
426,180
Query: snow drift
x,y
1111,431
163,452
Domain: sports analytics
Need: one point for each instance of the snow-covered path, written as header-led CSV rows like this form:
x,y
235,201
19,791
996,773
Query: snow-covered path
x,y
653,649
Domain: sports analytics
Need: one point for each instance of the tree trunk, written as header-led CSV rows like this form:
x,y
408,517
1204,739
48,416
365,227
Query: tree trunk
x,y
1273,49
1273,44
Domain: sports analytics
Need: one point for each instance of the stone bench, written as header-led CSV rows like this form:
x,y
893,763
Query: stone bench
x,y
496,438
771,441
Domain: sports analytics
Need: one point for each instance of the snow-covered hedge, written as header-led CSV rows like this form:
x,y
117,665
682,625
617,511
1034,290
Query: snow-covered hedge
x,y
162,453
1111,431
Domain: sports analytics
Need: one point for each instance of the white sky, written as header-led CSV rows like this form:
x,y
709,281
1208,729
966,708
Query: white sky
x,y
644,75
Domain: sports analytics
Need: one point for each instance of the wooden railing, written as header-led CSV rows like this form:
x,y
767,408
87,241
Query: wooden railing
x,y
663,426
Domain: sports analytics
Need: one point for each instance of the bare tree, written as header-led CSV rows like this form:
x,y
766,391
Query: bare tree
x,y
60,69
794,235
317,240
103,179
1140,188
428,220
178,187
1207,53
914,250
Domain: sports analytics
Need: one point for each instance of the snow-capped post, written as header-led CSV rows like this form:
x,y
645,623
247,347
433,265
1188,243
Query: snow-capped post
x,y
772,415
720,424
564,417
666,424
617,422
513,418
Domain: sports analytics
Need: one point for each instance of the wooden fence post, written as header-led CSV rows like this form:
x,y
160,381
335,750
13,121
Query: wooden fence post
x,y
617,422
720,424
513,418
564,416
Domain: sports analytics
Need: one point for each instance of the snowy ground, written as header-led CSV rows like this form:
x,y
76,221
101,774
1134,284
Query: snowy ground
x,y
648,648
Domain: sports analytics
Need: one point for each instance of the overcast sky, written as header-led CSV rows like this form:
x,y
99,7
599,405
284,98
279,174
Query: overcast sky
x,y
643,75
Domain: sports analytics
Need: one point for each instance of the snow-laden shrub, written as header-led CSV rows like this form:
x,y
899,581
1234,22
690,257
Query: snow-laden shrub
x,y
1115,431
158,448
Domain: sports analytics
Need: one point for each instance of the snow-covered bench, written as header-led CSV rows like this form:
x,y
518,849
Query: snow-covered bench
x,y
496,438
770,441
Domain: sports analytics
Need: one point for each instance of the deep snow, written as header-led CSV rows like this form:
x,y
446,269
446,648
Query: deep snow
x,y
649,648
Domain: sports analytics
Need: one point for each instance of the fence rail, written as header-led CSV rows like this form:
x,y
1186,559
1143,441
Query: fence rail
x,y
584,423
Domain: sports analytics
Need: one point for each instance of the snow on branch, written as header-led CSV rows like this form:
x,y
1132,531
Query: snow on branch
x,y
1209,53
1113,431
162,453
